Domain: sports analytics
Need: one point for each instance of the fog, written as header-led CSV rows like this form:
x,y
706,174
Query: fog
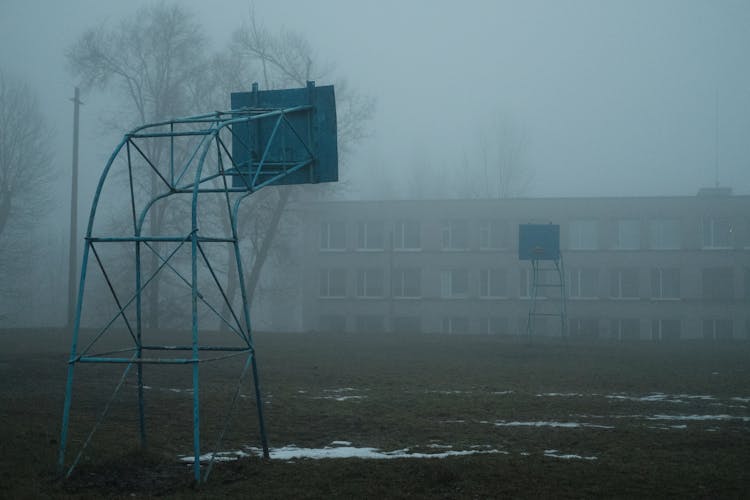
x,y
625,98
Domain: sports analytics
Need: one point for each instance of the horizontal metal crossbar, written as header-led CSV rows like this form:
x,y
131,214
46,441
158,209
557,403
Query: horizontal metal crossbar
x,y
189,348
163,239
152,361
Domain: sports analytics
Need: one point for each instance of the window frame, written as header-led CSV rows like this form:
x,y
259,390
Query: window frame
x,y
450,231
364,231
448,284
326,236
328,271
363,285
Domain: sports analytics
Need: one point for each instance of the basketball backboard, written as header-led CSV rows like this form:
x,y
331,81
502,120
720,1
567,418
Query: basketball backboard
x,y
538,242
301,144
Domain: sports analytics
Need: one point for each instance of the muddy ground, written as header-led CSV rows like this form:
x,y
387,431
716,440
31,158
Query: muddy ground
x,y
525,420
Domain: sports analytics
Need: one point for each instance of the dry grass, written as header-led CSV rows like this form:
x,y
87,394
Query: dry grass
x,y
414,392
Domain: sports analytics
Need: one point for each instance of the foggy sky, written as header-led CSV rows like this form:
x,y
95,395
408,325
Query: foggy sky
x,y
613,98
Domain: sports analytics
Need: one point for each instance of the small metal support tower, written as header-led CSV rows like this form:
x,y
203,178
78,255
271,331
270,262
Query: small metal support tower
x,y
540,244
165,212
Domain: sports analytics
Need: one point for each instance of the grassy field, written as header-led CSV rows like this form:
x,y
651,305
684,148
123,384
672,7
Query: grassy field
x,y
543,420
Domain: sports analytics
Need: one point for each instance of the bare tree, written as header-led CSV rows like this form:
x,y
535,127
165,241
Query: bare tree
x,y
501,148
157,65
154,62
26,172
286,59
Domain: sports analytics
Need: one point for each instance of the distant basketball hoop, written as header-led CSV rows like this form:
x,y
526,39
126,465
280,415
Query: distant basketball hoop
x,y
538,242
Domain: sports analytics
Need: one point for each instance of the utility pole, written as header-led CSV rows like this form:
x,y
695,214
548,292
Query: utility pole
x,y
73,252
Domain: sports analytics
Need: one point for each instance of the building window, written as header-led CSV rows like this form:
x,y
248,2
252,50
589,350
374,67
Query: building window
x,y
665,283
584,327
407,324
333,283
370,283
407,283
628,236
455,325
583,235
493,325
747,283
718,283
624,284
369,323
626,329
454,283
493,234
717,329
665,234
717,232
333,323
524,285
583,283
455,235
407,236
370,236
665,329
492,283
333,235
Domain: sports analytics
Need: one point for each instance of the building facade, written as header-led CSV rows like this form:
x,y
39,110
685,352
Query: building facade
x,y
656,268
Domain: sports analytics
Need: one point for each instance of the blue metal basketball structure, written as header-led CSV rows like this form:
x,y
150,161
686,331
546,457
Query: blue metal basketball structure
x,y
541,243
268,148
277,137
538,242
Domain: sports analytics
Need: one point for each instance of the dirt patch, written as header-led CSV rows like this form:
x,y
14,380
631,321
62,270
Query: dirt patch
x,y
648,420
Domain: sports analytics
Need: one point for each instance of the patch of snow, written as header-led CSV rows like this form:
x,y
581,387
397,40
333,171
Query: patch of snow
x,y
704,397
440,446
502,393
668,427
448,392
220,456
698,417
656,396
292,452
662,397
340,398
561,394
741,400
556,454
566,425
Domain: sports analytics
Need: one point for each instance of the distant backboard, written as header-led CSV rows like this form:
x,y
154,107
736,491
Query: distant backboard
x,y
300,148
539,242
